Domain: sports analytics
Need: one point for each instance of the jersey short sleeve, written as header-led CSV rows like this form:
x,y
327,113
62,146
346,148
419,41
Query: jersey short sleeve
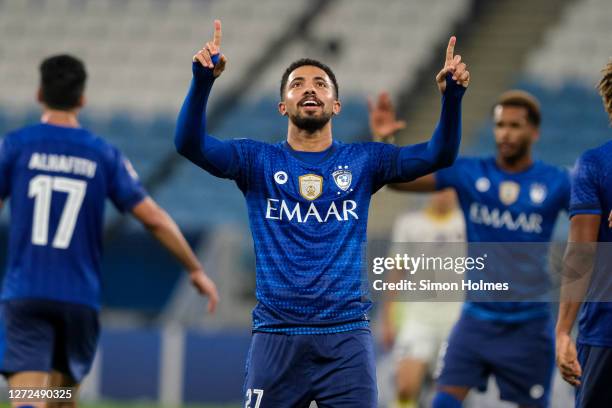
x,y
125,189
585,186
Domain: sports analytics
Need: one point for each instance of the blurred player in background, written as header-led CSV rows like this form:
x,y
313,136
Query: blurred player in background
x,y
507,198
589,368
423,327
57,176
308,201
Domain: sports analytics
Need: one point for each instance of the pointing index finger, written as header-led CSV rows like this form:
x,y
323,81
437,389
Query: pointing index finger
x,y
217,35
450,49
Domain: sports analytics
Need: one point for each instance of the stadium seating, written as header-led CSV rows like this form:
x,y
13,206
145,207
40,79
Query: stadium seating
x,y
562,74
577,48
133,50
137,51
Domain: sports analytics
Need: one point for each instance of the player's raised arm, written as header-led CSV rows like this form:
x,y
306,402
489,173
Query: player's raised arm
x,y
443,147
418,160
191,139
165,230
383,127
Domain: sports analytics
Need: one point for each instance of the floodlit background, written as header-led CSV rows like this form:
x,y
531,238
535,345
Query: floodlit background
x,y
158,345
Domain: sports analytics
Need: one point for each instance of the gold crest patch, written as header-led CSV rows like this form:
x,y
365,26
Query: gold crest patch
x,y
509,192
311,186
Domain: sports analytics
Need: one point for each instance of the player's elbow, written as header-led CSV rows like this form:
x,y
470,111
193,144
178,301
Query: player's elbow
x,y
446,160
180,145
443,158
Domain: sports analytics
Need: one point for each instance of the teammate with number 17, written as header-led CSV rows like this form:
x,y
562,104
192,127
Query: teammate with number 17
x,y
57,176
308,199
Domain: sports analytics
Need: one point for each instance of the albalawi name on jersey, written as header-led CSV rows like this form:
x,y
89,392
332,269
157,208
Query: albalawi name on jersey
x,y
281,210
62,164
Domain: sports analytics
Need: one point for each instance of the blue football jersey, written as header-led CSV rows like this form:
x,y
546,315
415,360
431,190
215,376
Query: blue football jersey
x,y
591,194
56,180
309,223
515,208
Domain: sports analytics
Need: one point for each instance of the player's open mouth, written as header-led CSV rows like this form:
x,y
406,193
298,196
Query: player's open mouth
x,y
310,103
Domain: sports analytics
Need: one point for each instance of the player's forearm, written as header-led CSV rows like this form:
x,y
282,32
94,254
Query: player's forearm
x,y
425,184
192,140
443,147
190,135
575,279
567,316
168,234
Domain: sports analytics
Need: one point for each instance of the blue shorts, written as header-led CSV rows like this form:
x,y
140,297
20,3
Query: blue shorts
x,y
520,355
335,370
595,390
45,335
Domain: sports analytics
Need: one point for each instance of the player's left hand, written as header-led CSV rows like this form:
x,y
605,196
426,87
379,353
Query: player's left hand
x,y
567,359
453,66
210,50
206,287
610,220
383,120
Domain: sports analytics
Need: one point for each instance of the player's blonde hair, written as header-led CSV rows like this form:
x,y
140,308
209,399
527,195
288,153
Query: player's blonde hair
x,y
605,88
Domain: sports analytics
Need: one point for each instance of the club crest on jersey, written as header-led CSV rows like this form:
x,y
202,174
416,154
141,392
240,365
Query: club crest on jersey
x,y
537,193
311,186
509,192
343,178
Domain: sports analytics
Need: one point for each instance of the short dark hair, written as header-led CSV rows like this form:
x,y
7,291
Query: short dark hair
x,y
605,88
522,99
303,62
62,81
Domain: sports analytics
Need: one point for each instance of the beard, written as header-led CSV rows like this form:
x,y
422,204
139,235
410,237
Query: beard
x,y
521,151
310,123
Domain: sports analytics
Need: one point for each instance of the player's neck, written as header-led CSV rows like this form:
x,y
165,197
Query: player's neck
x,y
60,118
515,166
304,141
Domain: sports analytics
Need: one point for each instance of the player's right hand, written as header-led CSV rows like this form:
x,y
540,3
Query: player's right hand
x,y
383,120
206,287
210,49
567,359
